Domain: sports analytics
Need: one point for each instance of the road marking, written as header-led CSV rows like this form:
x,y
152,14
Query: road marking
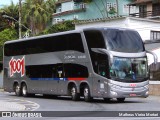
x,y
17,104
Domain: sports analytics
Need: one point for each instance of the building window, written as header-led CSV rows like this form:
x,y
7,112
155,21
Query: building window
x,y
75,17
155,35
111,7
126,9
56,20
82,6
59,9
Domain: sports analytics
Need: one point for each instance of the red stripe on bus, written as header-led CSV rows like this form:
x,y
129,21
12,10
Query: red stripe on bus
x,y
76,78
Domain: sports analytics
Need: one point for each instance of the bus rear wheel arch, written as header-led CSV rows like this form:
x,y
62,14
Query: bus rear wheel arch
x,y
87,94
17,89
73,91
85,91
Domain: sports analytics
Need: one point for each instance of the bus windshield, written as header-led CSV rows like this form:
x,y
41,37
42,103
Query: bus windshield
x,y
124,40
129,68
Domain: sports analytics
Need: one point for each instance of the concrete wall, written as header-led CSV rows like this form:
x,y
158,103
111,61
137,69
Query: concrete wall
x,y
154,88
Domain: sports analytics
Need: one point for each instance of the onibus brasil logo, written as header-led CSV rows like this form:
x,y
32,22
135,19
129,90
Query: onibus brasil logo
x,y
17,66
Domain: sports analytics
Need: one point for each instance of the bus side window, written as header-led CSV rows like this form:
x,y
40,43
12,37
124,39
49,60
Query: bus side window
x,y
75,71
60,71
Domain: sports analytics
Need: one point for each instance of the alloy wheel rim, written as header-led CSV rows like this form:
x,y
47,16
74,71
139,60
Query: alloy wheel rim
x,y
85,92
24,90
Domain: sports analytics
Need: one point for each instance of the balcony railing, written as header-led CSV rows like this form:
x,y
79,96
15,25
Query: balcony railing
x,y
147,14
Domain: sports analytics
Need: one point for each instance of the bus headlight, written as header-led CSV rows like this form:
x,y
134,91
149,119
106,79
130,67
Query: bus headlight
x,y
113,93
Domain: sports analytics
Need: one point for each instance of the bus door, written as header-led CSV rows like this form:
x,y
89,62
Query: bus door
x,y
101,78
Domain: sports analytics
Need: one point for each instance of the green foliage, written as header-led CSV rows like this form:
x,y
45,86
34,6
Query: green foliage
x,y
87,1
60,27
112,11
6,35
37,13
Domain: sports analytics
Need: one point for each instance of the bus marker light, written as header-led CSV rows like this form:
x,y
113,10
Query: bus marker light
x,y
132,85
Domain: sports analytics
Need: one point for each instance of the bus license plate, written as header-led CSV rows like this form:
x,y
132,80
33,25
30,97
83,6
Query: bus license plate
x,y
133,95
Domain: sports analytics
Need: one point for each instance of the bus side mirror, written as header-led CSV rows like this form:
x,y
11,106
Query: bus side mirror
x,y
154,65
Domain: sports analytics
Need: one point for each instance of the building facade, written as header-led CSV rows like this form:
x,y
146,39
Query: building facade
x,y
83,10
147,9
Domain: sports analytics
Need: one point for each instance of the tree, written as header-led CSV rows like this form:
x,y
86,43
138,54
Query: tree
x,y
37,13
12,11
5,35
60,27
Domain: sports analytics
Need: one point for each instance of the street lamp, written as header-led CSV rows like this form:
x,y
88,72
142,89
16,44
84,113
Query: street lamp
x,y
20,17
28,30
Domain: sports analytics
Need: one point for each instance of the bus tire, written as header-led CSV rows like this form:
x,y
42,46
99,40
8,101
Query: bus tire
x,y
24,90
86,93
75,96
107,99
17,90
120,99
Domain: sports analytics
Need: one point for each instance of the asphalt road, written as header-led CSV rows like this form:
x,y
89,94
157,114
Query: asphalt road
x,y
65,104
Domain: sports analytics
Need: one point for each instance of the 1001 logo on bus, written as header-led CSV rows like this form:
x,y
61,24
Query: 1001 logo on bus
x,y
17,66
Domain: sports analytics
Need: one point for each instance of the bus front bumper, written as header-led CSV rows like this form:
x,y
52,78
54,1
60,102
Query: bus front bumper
x,y
127,91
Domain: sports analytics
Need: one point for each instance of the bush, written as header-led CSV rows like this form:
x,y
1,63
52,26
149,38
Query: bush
x,y
60,27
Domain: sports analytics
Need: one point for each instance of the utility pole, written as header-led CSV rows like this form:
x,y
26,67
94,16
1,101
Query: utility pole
x,y
117,7
20,18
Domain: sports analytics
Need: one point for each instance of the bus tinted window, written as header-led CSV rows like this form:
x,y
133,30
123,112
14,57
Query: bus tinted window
x,y
46,44
75,70
67,70
94,39
39,71
124,40
100,64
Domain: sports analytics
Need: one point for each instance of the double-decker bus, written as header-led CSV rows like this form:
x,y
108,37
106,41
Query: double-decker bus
x,y
93,62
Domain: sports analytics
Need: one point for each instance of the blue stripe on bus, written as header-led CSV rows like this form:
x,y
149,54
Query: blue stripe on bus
x,y
48,78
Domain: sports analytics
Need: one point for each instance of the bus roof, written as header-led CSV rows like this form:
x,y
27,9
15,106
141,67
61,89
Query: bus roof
x,y
67,32
102,28
43,36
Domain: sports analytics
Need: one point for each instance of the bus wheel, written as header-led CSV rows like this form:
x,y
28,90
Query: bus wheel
x,y
120,99
17,90
24,90
74,94
87,95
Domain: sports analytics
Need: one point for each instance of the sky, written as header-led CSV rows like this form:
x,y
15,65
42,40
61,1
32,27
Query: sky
x,y
7,2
